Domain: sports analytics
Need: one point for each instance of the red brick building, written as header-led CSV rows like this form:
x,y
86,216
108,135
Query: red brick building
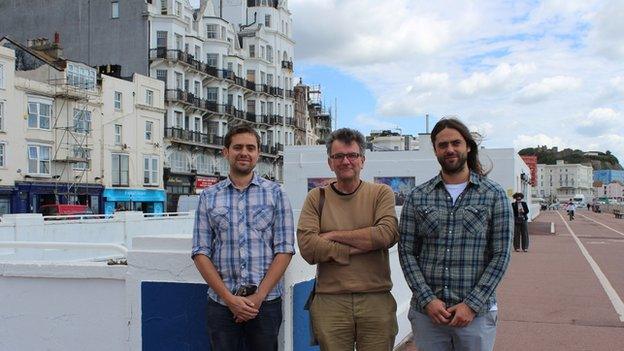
x,y
531,161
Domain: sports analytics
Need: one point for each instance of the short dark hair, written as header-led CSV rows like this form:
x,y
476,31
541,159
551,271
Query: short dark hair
x,y
240,129
347,136
453,123
518,195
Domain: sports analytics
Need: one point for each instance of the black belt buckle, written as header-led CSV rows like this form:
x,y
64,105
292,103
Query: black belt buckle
x,y
246,290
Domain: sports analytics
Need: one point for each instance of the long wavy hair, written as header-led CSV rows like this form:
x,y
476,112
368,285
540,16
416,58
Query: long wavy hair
x,y
473,156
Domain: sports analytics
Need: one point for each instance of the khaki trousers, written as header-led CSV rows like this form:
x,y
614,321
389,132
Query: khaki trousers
x,y
365,320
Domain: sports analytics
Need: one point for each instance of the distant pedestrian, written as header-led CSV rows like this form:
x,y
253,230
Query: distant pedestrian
x,y
589,206
243,240
571,208
521,215
454,247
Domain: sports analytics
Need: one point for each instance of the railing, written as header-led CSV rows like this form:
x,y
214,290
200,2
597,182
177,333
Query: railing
x,y
262,88
275,91
265,149
250,116
193,136
250,85
290,94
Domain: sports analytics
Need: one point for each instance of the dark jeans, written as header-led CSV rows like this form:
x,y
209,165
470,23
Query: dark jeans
x,y
521,233
258,334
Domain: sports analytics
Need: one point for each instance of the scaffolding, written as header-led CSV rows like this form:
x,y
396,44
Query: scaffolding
x,y
72,128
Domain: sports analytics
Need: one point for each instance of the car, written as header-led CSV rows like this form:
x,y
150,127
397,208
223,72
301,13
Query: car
x,y
65,210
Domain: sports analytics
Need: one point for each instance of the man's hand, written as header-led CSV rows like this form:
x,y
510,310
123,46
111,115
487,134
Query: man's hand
x,y
463,315
257,299
242,308
436,310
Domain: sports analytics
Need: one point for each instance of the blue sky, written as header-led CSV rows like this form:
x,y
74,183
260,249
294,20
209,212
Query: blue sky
x,y
523,73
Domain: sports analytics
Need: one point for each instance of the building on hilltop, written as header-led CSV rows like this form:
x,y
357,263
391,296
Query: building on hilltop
x,y
561,182
73,136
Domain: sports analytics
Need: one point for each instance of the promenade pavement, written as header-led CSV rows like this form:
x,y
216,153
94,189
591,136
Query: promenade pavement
x,y
566,292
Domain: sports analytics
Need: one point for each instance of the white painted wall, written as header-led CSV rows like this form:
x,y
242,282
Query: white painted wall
x,y
62,307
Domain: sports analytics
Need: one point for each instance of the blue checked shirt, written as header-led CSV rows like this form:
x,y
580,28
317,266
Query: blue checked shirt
x,y
241,231
457,253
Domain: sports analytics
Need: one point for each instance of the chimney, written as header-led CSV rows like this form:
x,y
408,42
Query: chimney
x,y
43,45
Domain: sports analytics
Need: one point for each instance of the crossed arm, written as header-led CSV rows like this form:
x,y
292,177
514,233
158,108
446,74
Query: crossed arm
x,y
337,246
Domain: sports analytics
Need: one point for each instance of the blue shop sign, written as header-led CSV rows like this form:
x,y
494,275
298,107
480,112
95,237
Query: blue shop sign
x,y
136,195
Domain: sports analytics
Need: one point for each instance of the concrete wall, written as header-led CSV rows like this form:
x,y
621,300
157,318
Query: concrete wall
x,y
88,33
62,307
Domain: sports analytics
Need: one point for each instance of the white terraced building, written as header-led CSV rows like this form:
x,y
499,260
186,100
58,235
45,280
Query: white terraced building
x,y
222,69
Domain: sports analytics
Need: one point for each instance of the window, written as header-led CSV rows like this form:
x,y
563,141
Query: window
x,y
81,153
212,31
203,164
269,53
267,20
161,39
38,159
1,76
212,60
262,52
161,74
39,113
178,42
212,94
149,97
179,120
1,115
82,121
252,51
117,101
80,77
115,9
196,88
120,170
118,134
150,170
2,154
197,52
179,81
179,162
149,127
178,8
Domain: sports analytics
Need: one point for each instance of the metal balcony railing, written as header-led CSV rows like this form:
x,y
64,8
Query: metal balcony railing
x,y
287,65
182,135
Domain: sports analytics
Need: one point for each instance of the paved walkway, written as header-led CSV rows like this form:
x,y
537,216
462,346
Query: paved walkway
x,y
566,292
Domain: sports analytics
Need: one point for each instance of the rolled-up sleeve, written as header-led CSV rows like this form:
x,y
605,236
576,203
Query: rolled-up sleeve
x,y
283,225
202,232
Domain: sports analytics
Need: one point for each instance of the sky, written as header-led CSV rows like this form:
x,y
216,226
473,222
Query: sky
x,y
522,73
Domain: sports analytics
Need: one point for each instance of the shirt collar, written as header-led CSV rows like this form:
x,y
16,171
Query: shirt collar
x,y
475,180
255,180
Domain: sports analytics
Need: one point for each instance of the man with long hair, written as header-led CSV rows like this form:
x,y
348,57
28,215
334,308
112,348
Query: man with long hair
x,y
454,247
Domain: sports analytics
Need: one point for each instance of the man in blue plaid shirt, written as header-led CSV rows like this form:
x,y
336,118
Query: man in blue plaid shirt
x,y
454,247
243,240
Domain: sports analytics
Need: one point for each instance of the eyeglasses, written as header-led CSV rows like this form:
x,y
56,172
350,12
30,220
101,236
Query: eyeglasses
x,y
352,156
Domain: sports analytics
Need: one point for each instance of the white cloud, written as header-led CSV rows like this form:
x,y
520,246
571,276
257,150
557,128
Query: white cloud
x,y
547,87
373,123
606,34
523,141
504,76
600,121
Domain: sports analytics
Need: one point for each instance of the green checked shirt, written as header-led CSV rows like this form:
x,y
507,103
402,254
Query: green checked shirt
x,y
457,253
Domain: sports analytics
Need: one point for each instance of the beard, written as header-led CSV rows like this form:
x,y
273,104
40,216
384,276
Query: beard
x,y
453,167
243,169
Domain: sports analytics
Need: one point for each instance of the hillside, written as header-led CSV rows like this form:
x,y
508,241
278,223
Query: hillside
x,y
598,160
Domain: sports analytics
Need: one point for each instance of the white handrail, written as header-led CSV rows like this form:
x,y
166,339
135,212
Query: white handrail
x,y
63,245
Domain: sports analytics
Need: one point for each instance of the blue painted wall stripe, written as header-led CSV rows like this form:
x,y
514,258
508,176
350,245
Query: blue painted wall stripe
x,y
301,320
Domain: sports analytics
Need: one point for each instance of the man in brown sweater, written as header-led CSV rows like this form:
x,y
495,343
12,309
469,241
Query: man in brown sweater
x,y
349,243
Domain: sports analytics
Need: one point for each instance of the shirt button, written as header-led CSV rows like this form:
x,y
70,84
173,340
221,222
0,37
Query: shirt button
x,y
446,268
447,250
